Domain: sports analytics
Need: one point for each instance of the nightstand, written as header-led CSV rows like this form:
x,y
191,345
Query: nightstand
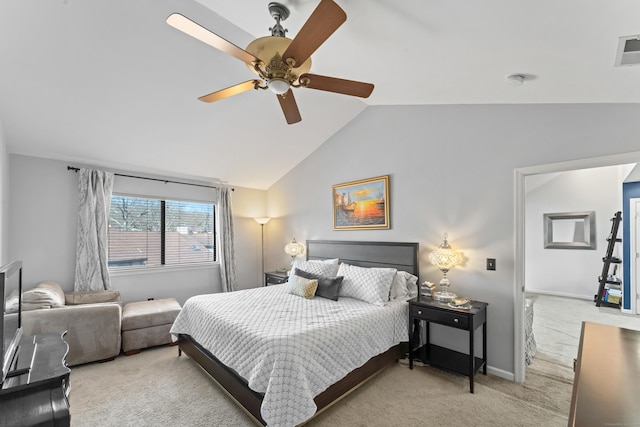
x,y
275,278
425,309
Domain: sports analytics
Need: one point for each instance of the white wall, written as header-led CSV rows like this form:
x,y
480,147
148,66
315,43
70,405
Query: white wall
x,y
570,272
634,175
451,170
43,233
248,204
4,199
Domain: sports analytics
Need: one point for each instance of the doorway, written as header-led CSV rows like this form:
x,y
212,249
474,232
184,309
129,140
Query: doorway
x,y
634,250
520,238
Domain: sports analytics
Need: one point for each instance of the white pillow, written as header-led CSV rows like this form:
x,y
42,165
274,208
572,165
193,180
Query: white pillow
x,y
323,268
367,284
404,286
302,287
46,294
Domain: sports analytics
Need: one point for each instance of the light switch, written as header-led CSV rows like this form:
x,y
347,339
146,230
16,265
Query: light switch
x,y
491,263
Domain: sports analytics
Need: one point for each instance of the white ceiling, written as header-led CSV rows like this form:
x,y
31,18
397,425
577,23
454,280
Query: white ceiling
x,y
109,83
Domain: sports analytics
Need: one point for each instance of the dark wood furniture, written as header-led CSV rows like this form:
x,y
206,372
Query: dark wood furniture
x,y
606,385
38,396
275,278
399,255
426,309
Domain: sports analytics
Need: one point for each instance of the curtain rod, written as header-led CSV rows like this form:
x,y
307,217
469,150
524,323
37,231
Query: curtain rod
x,y
166,181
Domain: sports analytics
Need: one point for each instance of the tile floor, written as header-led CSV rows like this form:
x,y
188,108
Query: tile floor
x,y
557,322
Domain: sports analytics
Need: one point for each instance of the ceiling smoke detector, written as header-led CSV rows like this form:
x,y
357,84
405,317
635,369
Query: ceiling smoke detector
x,y
514,79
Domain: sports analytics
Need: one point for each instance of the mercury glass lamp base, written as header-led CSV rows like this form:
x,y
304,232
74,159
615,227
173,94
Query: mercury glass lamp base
x,y
444,296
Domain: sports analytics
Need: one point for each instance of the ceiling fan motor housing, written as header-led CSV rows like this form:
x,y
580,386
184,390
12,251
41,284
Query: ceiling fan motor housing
x,y
270,49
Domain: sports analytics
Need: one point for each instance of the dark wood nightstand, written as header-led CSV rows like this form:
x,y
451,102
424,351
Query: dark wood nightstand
x,y
425,309
275,278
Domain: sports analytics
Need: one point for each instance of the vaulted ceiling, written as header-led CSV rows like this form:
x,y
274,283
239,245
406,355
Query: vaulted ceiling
x,y
109,83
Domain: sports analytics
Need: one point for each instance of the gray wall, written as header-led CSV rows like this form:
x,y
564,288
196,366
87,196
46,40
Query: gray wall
x,y
4,199
43,233
570,272
451,170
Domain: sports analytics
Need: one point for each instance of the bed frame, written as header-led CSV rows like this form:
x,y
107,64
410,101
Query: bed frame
x,y
399,255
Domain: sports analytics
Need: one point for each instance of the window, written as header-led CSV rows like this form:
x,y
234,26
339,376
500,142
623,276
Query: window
x,y
152,232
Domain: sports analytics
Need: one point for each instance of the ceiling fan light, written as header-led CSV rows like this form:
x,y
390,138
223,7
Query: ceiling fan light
x,y
278,86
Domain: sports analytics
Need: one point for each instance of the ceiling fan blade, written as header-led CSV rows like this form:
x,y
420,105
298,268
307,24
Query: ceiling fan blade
x,y
332,84
323,22
230,91
197,31
289,107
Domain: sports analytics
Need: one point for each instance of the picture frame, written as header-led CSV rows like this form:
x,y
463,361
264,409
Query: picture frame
x,y
361,205
570,230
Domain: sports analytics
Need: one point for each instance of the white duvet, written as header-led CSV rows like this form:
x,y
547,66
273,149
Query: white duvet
x,y
290,348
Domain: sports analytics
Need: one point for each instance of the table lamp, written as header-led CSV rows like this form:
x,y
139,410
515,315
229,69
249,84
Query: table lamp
x,y
293,249
445,258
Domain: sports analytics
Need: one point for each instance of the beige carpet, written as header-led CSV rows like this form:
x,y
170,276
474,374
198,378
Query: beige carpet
x,y
156,387
557,323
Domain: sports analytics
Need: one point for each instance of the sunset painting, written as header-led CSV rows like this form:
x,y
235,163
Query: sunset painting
x,y
361,204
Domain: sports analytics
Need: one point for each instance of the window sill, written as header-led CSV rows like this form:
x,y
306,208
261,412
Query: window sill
x,y
161,269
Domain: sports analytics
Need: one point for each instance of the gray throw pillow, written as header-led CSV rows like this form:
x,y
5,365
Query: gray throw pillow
x,y
328,287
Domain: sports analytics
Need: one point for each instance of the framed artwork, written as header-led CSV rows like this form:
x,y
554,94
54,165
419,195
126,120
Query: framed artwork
x,y
570,230
361,205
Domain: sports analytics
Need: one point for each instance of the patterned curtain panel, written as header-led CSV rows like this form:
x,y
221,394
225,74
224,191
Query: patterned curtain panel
x,y
226,251
94,190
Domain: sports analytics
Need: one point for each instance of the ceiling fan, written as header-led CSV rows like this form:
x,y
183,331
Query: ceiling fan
x,y
281,63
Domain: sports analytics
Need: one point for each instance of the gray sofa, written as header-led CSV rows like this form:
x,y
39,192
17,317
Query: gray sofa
x,y
91,319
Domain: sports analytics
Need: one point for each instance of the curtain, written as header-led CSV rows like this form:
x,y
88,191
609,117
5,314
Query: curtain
x,y
94,194
226,250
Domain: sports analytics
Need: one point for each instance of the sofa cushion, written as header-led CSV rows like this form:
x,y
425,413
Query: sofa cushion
x,y
92,297
92,330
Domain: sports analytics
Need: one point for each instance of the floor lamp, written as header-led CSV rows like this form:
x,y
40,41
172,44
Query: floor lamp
x,y
262,221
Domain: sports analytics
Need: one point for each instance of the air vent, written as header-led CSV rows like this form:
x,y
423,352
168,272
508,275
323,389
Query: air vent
x,y
628,51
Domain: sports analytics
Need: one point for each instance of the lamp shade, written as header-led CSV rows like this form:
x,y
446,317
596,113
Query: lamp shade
x,y
294,248
262,220
445,257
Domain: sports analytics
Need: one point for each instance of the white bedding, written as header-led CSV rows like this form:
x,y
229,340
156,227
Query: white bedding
x,y
291,348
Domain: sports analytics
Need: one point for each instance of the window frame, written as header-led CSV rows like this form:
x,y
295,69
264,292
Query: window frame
x,y
142,269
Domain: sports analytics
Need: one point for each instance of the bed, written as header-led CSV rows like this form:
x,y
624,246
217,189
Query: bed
x,y
306,377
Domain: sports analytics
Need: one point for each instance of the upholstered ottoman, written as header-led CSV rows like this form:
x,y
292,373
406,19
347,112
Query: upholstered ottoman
x,y
147,323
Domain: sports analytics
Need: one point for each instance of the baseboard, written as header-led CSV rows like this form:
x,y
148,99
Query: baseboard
x,y
500,373
561,294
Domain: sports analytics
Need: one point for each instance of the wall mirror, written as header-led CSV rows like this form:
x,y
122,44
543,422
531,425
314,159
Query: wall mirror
x,y
570,230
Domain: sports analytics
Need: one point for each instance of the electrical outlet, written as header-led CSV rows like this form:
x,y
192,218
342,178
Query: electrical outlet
x,y
491,263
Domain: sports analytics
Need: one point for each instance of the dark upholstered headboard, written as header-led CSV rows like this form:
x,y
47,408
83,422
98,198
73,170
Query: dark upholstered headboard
x,y
398,255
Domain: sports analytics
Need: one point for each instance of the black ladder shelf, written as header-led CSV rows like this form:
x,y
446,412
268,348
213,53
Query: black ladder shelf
x,y
606,280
